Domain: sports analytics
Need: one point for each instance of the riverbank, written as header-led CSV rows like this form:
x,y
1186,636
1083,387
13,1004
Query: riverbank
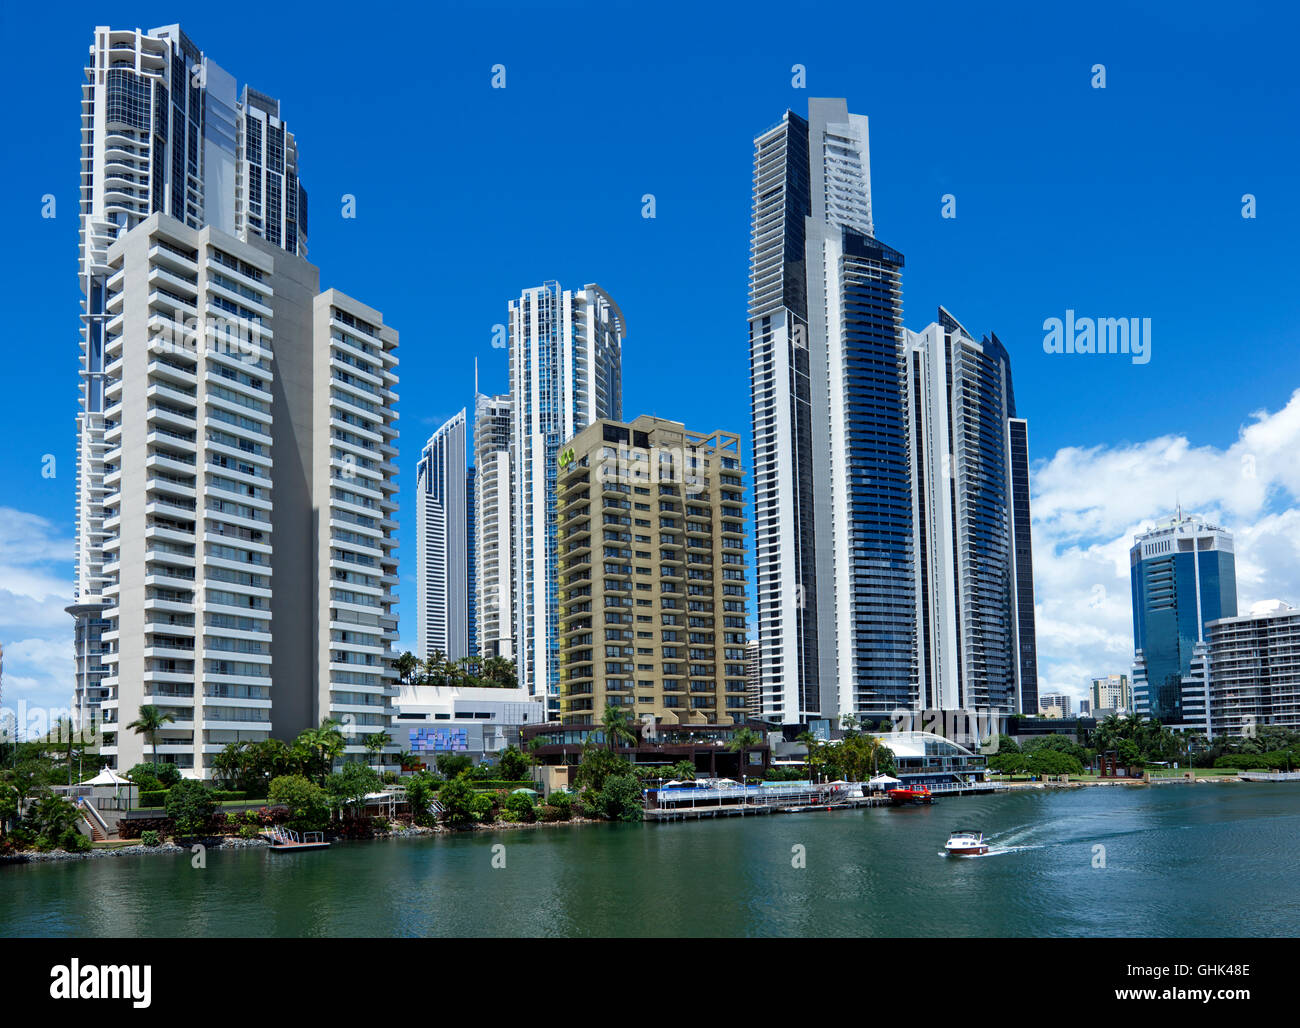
x,y
230,842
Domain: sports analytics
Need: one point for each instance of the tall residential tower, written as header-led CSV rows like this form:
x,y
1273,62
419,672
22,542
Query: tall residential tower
x,y
565,373
832,507
443,543
164,130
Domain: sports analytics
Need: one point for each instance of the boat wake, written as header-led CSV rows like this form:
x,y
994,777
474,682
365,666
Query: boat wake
x,y
993,851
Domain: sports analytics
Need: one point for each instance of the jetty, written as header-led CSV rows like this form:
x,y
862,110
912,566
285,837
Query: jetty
x,y
679,801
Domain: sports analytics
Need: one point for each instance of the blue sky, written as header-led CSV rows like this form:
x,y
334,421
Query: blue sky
x,y
1117,202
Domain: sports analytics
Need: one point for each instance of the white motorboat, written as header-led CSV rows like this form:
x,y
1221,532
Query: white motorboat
x,y
964,843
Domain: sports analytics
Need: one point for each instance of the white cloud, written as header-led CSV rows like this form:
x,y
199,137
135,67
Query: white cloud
x,y
1088,503
36,568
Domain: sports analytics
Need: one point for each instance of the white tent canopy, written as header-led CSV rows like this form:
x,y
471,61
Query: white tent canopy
x,y
885,780
108,777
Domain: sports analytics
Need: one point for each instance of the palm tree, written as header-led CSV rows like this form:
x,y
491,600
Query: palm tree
x,y
149,723
617,726
406,665
321,746
742,739
375,743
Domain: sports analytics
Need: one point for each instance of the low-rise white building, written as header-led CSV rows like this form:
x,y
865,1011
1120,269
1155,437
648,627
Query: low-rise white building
x,y
479,722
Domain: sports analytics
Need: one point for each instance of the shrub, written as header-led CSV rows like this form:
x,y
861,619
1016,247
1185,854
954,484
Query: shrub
x,y
190,806
154,798
562,802
391,777
519,806
151,838
458,800
483,808
452,764
308,807
420,790
249,831
620,799
380,823
227,796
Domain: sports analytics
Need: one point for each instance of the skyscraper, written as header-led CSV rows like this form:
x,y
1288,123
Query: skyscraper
x,y
443,543
565,372
832,508
162,130
249,440
970,498
493,567
1183,574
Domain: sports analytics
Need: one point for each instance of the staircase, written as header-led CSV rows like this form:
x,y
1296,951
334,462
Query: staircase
x,y
94,820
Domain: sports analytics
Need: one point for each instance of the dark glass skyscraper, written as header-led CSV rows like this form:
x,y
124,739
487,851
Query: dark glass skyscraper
x,y
1183,574
831,477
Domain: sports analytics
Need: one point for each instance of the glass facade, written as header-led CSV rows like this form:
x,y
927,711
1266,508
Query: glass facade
x,y
1179,583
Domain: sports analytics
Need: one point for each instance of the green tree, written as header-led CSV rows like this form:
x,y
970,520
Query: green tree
x,y
318,748
457,799
150,723
513,764
616,724
742,740
375,743
349,786
421,790
405,666
190,806
309,807
620,799
597,766
53,821
450,765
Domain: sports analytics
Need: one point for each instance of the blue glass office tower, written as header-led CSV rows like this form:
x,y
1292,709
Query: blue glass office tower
x,y
1183,575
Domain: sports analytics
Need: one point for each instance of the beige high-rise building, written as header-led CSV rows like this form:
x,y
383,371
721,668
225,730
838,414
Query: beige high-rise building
x,y
249,497
1111,692
651,573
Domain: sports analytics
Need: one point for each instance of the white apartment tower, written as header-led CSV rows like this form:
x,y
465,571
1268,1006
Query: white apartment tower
x,y
162,130
565,372
443,544
249,501
976,647
493,567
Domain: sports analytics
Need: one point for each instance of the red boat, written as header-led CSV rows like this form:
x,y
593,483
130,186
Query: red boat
x,y
920,794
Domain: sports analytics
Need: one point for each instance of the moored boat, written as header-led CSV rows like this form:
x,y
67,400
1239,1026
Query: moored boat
x,y
919,794
965,843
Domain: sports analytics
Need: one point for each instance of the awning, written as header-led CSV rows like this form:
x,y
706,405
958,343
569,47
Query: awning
x,y
108,777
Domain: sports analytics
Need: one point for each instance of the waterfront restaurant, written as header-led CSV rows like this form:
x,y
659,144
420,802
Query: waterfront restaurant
x,y
660,745
923,758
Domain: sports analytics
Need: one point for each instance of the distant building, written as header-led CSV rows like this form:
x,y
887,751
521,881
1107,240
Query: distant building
x,y
1254,670
753,680
1183,575
493,568
1085,708
1054,704
442,543
1111,692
